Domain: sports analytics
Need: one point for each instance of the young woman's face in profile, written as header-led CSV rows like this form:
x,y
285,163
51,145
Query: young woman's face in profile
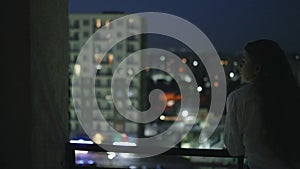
x,y
248,69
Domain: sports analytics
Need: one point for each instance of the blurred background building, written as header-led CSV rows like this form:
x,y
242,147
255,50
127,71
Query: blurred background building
x,y
81,28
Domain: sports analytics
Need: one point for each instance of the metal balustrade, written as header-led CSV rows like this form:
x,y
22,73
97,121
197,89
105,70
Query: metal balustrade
x,y
221,153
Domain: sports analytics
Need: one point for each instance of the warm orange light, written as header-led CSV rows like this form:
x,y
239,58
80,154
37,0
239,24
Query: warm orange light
x,y
180,69
170,96
110,58
171,118
224,62
184,60
98,138
98,23
216,84
162,97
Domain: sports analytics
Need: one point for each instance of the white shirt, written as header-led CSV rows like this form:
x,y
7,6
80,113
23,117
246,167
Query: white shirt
x,y
244,131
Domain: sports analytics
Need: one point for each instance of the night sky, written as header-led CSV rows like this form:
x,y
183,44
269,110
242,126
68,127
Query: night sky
x,y
228,24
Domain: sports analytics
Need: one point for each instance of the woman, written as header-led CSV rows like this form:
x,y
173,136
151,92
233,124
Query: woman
x,y
261,121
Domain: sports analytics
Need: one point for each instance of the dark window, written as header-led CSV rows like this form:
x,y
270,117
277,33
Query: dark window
x,y
86,22
76,24
75,36
86,34
130,48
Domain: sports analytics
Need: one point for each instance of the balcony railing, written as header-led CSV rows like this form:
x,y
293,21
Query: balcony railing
x,y
219,153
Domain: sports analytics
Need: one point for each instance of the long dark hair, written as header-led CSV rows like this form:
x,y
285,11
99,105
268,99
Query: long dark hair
x,y
280,94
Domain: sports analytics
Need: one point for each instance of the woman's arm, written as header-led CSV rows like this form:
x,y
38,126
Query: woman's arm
x,y
233,137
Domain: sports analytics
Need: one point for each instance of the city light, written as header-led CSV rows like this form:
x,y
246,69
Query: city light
x,y
80,162
130,94
132,167
130,71
235,63
98,138
98,67
98,23
77,69
130,20
199,88
81,141
195,63
162,117
91,162
207,84
107,23
231,74
170,103
216,84
122,143
108,97
110,58
111,155
187,78
81,152
180,69
98,58
224,62
185,113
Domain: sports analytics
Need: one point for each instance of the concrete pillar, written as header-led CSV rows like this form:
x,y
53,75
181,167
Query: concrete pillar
x,y
15,86
49,83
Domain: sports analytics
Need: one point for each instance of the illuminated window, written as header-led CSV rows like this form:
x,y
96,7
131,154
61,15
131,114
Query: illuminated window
x,y
98,58
131,20
77,69
98,138
98,23
180,69
110,58
130,71
107,23
224,62
131,24
216,84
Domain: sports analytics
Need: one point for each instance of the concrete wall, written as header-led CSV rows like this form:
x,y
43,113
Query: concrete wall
x,y
15,86
34,78
49,72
